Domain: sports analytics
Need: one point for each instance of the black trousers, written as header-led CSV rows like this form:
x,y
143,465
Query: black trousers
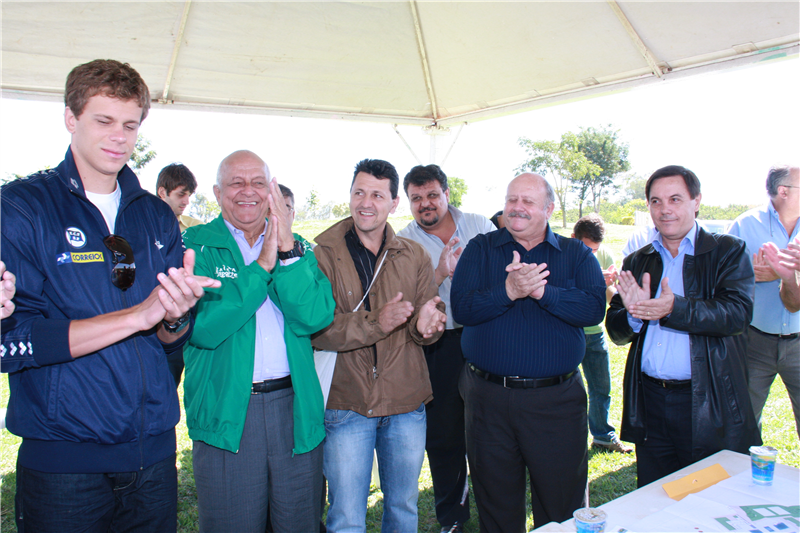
x,y
668,445
446,444
510,430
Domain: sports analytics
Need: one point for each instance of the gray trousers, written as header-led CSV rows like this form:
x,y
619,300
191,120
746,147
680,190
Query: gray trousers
x,y
235,490
766,357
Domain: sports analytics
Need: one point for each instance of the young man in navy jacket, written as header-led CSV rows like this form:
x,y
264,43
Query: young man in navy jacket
x,y
103,293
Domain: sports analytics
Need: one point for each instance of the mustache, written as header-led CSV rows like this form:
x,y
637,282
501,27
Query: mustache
x,y
519,214
426,209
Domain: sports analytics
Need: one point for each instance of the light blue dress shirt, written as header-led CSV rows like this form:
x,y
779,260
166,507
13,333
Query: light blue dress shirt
x,y
666,353
468,225
270,357
756,227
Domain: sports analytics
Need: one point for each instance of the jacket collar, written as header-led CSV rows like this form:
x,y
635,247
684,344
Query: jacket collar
x,y
215,234
704,242
126,179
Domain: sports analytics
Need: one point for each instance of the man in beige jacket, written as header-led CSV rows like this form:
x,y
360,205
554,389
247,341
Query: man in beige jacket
x,y
386,308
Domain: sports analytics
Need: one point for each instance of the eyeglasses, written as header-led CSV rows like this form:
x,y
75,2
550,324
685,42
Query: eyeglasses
x,y
124,271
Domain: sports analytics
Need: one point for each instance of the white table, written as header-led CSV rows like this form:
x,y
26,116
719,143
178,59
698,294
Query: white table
x,y
641,503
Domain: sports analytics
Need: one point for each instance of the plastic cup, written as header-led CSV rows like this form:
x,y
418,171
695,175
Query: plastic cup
x,y
590,520
762,459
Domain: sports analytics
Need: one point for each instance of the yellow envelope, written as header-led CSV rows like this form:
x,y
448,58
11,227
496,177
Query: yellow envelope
x,y
695,482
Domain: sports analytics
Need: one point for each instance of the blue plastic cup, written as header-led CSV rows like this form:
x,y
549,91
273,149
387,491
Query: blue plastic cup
x,y
590,520
762,459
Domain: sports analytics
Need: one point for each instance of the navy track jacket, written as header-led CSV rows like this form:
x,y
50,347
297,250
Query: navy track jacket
x,y
111,411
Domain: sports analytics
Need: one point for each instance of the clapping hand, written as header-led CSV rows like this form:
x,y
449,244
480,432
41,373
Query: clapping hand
x,y
448,260
637,299
525,280
430,318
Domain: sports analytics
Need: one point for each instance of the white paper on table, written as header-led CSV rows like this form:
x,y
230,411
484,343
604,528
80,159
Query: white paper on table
x,y
740,490
699,512
693,513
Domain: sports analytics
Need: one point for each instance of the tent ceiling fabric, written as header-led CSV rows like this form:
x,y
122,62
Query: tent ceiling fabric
x,y
418,62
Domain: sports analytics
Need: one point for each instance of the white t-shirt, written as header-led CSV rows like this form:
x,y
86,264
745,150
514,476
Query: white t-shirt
x,y
108,204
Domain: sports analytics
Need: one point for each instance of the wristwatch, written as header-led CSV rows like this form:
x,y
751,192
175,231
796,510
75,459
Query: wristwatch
x,y
296,251
179,324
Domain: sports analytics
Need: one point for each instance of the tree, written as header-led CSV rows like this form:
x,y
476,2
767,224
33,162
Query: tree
x,y
604,149
203,209
562,160
141,155
341,210
458,189
634,187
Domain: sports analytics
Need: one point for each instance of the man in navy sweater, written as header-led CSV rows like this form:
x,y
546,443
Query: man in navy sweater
x,y
103,293
524,295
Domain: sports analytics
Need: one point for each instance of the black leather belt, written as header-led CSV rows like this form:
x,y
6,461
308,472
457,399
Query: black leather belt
x,y
516,382
778,335
271,385
670,383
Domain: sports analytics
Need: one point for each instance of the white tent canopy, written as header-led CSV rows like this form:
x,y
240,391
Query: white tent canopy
x,y
409,62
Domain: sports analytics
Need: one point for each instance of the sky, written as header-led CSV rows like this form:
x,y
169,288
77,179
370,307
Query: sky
x,y
729,127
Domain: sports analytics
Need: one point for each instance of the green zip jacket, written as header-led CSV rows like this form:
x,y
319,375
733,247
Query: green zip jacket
x,y
219,356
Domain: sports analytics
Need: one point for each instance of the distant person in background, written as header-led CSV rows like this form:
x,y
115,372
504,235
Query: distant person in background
x,y
643,236
288,200
497,220
175,185
773,339
595,365
443,231
683,302
8,286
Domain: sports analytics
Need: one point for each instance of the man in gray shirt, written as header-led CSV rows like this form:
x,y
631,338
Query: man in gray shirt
x,y
443,231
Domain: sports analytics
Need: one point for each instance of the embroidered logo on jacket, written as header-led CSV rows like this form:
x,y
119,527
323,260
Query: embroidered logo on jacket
x,y
158,245
79,257
76,238
227,272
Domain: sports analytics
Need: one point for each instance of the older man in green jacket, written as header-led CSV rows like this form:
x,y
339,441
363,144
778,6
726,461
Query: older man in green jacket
x,y
253,401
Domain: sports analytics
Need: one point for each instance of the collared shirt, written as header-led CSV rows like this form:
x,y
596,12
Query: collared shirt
x,y
527,337
468,225
756,227
364,260
270,357
666,353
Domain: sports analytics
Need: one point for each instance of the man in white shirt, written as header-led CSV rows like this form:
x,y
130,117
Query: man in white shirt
x,y
443,231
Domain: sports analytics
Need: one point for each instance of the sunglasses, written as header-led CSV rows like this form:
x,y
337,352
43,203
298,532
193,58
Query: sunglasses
x,y
124,271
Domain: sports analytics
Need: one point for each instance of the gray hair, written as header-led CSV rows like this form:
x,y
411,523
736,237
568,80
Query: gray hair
x,y
551,194
777,176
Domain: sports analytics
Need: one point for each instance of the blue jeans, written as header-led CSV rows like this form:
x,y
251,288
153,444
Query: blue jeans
x,y
596,371
349,443
142,501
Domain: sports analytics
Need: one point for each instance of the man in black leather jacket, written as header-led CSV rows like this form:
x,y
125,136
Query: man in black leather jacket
x,y
685,390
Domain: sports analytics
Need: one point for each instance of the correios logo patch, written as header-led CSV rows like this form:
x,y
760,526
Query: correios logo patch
x,y
80,257
76,238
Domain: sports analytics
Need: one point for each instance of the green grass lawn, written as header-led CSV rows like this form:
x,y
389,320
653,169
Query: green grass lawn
x,y
610,475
